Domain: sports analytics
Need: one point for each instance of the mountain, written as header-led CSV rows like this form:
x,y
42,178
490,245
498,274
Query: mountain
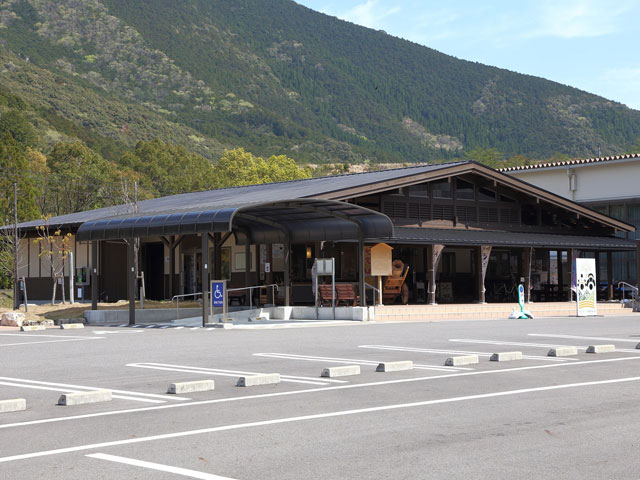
x,y
277,78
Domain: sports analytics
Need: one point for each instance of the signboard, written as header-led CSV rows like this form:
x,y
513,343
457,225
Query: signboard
x,y
586,290
267,267
324,266
381,259
217,293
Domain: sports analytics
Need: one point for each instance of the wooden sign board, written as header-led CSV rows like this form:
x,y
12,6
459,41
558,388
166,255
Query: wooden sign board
x,y
381,259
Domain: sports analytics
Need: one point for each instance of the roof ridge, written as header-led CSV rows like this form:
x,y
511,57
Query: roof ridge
x,y
578,161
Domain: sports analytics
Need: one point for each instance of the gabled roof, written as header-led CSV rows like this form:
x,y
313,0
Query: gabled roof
x,y
570,163
339,187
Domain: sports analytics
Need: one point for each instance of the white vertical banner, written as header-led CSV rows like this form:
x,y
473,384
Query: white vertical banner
x,y
586,286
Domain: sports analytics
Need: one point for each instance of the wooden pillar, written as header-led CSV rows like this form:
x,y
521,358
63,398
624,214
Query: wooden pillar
x,y
247,271
361,276
205,278
131,276
217,256
570,253
527,258
610,275
287,270
172,264
94,275
480,290
483,253
434,258
268,276
637,265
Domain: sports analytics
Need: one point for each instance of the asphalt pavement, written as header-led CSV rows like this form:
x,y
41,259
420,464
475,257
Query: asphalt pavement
x,y
538,417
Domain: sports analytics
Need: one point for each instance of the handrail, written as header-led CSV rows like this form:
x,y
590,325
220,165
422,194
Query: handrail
x,y
634,292
273,286
632,287
177,298
375,290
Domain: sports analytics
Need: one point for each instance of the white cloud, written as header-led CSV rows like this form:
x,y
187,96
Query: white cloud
x,y
579,18
369,13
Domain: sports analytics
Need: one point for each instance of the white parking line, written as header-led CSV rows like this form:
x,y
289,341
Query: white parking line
x,y
308,358
518,344
157,466
450,352
317,390
227,373
84,387
50,341
552,335
41,387
38,335
317,416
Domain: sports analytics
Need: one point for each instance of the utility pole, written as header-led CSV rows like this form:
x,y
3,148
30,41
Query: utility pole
x,y
16,287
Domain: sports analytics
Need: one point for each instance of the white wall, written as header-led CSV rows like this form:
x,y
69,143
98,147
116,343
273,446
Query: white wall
x,y
617,179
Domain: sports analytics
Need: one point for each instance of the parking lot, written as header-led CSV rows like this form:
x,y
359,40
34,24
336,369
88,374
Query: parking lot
x,y
561,417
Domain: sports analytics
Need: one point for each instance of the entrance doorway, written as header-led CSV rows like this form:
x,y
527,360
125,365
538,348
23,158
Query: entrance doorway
x,y
153,267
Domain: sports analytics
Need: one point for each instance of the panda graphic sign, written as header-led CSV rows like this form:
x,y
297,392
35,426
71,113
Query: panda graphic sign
x,y
586,286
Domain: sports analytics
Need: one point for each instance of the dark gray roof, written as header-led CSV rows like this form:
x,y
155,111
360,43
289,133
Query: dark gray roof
x,y
299,220
247,195
461,237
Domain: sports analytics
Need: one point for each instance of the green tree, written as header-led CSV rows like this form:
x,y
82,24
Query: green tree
x,y
237,167
81,179
14,123
490,157
169,169
14,169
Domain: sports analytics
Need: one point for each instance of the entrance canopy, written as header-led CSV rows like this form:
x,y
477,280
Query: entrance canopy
x,y
462,237
298,220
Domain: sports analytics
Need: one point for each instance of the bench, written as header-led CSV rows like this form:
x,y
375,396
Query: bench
x,y
345,292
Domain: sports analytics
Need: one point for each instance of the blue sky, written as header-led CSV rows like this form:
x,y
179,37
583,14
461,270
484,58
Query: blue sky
x,y
588,44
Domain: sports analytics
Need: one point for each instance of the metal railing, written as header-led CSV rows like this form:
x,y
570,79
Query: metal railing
x,y
273,286
177,298
375,290
634,294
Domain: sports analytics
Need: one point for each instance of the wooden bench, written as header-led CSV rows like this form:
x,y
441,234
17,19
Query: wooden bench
x,y
345,292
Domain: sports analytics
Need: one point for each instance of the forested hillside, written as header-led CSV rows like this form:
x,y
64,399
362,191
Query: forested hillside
x,y
277,78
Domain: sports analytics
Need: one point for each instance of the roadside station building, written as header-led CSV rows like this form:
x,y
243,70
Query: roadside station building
x,y
468,233
608,185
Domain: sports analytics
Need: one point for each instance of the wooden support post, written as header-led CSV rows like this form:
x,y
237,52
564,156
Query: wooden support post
x,y
637,265
570,253
434,259
610,275
268,276
480,277
131,275
527,259
247,272
361,276
94,275
205,278
287,270
172,265
217,255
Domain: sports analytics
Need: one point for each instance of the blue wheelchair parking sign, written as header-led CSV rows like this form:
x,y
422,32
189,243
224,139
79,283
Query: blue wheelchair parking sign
x,y
217,294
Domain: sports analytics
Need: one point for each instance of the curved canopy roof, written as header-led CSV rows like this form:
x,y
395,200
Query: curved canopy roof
x,y
298,220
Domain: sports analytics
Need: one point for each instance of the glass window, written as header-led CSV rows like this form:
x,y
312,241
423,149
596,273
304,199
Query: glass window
x,y
441,189
616,211
421,190
634,219
486,195
504,198
464,190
